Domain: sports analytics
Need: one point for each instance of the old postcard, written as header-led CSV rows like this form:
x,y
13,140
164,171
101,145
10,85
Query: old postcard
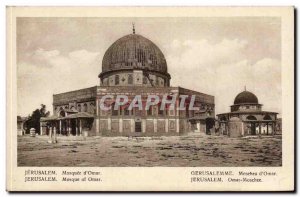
x,y
150,99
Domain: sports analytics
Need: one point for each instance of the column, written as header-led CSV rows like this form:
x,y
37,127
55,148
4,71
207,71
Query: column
x,y
97,118
120,125
50,134
69,128
267,128
259,124
97,108
54,135
243,132
177,125
80,127
177,107
60,128
97,124
41,128
109,124
76,127
166,125
155,125
143,124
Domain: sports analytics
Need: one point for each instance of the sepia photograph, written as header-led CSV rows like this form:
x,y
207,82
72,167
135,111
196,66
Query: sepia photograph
x,y
66,68
150,91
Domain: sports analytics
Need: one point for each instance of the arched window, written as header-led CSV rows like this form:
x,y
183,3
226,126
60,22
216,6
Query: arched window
x,y
114,112
92,108
79,107
126,111
149,111
117,79
62,113
140,55
130,79
145,80
84,107
161,112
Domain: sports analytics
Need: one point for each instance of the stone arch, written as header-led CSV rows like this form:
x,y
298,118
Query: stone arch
x,y
267,117
250,117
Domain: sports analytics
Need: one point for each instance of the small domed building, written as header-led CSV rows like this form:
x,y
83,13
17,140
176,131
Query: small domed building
x,y
247,118
132,65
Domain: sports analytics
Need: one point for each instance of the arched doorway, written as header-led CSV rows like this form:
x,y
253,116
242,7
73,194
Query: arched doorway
x,y
73,127
252,121
210,123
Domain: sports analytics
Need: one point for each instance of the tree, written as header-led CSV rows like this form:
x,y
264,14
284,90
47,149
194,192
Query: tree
x,y
34,118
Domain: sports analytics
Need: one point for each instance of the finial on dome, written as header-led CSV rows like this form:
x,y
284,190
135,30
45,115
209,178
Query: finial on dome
x,y
133,29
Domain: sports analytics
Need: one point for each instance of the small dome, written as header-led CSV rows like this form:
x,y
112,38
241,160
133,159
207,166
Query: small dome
x,y
134,52
245,97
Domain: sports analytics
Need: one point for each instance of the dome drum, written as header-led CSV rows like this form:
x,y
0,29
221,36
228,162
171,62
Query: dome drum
x,y
135,77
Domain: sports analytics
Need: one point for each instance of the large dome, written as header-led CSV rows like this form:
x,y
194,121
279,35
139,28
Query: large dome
x,y
245,97
134,52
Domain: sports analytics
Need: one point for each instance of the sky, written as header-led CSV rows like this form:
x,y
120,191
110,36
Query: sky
x,y
216,56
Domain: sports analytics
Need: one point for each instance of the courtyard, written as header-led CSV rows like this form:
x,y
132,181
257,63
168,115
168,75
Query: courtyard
x,y
176,151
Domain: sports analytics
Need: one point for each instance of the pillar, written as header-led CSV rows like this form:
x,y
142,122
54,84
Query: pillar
x,y
120,125
155,125
80,127
97,117
41,128
60,128
97,108
166,125
68,127
50,134
76,127
132,125
54,135
259,124
109,124
97,124
243,132
177,125
143,123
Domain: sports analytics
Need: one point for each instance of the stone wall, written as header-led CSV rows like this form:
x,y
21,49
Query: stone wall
x,y
149,127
